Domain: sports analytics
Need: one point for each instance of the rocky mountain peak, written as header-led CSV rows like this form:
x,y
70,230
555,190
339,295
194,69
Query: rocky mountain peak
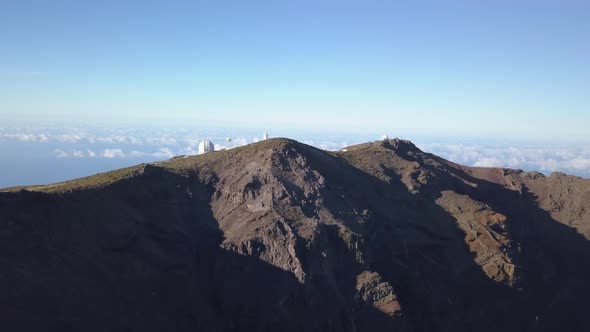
x,y
279,235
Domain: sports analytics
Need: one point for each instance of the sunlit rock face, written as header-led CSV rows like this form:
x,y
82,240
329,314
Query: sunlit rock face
x,y
279,235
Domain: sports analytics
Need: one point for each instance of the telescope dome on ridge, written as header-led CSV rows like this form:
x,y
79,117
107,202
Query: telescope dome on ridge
x,y
206,146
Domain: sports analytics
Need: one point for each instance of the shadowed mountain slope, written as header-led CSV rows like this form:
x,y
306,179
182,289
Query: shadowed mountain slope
x,y
279,235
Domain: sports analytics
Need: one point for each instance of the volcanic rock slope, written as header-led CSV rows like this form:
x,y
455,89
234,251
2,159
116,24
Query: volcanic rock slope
x,y
281,236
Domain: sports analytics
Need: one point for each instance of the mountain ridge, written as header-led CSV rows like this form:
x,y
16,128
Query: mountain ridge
x,y
380,236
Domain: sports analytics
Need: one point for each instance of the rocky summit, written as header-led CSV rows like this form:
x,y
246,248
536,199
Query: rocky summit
x,y
281,236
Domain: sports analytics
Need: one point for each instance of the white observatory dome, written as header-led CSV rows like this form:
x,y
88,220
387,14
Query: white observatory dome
x,y
206,146
384,137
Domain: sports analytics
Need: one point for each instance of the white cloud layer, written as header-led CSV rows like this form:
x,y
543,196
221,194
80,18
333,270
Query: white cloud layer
x,y
25,137
60,153
163,143
113,153
164,153
78,154
571,159
487,162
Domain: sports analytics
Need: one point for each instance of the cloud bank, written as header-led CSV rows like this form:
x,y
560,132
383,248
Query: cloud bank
x,y
162,143
571,158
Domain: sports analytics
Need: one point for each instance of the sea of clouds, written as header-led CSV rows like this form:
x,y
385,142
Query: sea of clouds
x,y
67,152
572,158
118,143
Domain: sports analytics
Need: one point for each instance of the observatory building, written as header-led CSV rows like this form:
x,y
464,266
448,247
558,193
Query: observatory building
x,y
265,137
206,146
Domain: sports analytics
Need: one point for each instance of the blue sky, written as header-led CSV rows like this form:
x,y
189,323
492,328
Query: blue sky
x,y
445,67
497,83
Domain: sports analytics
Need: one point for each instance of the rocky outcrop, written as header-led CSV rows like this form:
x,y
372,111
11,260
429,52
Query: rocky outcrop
x,y
282,236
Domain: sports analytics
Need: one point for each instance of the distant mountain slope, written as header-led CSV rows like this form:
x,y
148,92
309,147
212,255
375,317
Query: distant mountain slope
x,y
279,236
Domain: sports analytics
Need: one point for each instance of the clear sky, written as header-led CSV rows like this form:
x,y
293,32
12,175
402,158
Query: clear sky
x,y
502,68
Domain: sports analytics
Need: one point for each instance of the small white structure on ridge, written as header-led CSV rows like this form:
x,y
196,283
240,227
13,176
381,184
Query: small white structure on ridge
x,y
228,139
206,146
265,137
384,137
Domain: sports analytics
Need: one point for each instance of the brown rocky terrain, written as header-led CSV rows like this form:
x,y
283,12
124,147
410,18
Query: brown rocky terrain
x,y
281,236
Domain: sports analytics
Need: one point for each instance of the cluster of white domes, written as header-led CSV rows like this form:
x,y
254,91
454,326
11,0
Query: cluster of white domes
x,y
207,146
